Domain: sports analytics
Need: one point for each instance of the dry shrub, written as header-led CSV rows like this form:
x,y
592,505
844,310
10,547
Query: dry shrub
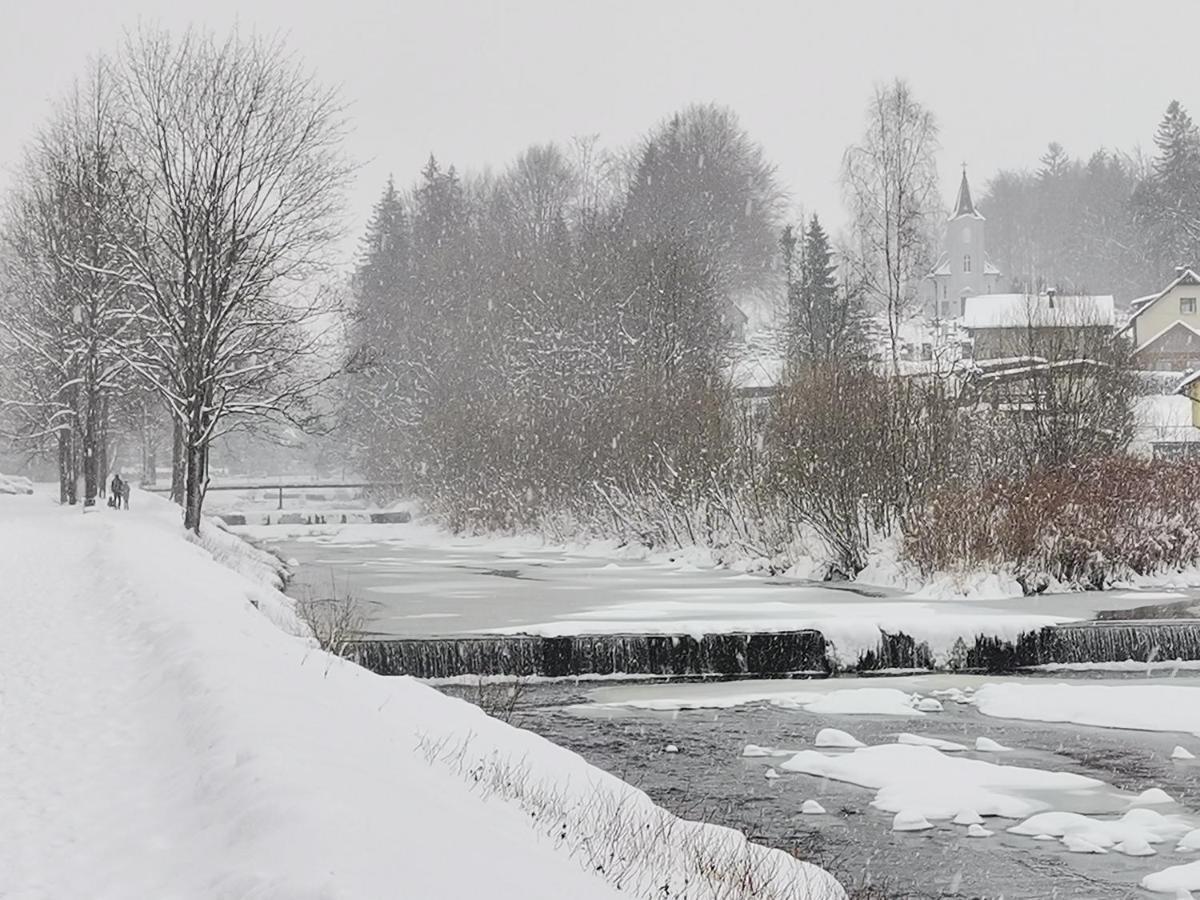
x,y
641,849
1086,524
851,451
336,621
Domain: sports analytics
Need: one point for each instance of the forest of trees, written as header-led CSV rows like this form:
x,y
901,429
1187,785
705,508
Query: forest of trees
x,y
1115,222
565,327
555,347
551,348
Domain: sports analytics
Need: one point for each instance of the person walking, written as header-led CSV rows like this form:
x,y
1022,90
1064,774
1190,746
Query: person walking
x,y
115,491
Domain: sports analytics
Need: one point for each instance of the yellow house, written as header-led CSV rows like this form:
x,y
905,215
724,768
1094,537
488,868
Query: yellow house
x,y
1165,327
1190,388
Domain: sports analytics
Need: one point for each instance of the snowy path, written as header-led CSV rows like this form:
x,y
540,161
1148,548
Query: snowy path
x,y
121,775
160,736
84,725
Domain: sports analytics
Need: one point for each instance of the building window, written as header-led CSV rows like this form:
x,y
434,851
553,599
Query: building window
x,y
1176,450
967,263
1187,306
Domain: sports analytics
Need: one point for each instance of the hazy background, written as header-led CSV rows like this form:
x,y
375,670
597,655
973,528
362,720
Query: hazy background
x,y
475,82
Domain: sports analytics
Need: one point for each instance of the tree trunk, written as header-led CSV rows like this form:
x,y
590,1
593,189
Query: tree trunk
x,y
102,448
178,465
194,501
91,447
149,448
64,466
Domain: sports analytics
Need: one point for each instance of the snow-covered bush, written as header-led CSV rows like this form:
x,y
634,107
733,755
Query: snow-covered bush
x,y
1088,524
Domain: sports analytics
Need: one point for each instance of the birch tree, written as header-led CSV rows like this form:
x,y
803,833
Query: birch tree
x,y
890,183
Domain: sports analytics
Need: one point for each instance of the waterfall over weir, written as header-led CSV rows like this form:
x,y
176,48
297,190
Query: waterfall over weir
x,y
730,655
768,654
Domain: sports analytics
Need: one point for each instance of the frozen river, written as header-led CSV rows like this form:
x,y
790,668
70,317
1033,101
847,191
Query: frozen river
x,y
416,581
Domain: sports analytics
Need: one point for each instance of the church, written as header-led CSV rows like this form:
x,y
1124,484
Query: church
x,y
963,270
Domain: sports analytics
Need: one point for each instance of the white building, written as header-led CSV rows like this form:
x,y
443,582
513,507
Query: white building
x,y
963,270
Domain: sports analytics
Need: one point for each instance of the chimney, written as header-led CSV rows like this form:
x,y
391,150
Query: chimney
x,y
1050,292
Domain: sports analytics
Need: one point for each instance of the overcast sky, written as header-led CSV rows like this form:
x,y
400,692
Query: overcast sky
x,y
476,82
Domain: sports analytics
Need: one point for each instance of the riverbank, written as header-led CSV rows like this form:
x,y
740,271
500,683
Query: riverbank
x,y
173,731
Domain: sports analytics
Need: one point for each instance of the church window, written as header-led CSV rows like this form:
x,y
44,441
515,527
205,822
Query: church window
x,y
967,264
1187,306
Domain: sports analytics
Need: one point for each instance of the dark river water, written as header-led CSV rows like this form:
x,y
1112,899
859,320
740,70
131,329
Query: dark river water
x,y
708,779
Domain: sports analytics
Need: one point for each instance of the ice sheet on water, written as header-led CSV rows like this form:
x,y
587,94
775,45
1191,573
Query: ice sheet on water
x,y
938,786
1146,707
1132,834
920,740
835,737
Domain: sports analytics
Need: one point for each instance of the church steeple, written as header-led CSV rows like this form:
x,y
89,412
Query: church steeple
x,y
964,206
963,270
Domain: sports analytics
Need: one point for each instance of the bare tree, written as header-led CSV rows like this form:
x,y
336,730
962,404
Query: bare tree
x,y
238,201
1070,398
67,317
890,183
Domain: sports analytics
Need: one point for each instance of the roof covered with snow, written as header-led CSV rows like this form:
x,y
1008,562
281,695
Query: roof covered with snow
x,y
1162,333
1141,304
1038,311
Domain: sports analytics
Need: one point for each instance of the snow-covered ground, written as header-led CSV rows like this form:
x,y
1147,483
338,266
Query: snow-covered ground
x,y
167,729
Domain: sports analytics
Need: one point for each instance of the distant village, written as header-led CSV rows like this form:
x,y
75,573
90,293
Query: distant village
x,y
1000,346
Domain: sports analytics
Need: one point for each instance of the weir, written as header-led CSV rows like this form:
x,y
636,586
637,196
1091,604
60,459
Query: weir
x,y
803,653
789,653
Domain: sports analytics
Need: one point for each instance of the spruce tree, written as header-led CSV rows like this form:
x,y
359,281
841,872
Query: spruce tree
x,y
385,253
378,388
1167,204
1178,143
826,323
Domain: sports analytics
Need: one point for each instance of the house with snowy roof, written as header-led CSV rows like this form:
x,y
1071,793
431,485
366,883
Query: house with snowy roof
x,y
963,270
1165,327
1051,326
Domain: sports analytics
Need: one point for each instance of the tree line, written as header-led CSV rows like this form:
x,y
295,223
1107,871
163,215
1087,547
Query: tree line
x,y
555,348
564,328
160,252
1113,222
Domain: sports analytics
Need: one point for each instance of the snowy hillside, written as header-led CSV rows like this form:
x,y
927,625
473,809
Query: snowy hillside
x,y
162,737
